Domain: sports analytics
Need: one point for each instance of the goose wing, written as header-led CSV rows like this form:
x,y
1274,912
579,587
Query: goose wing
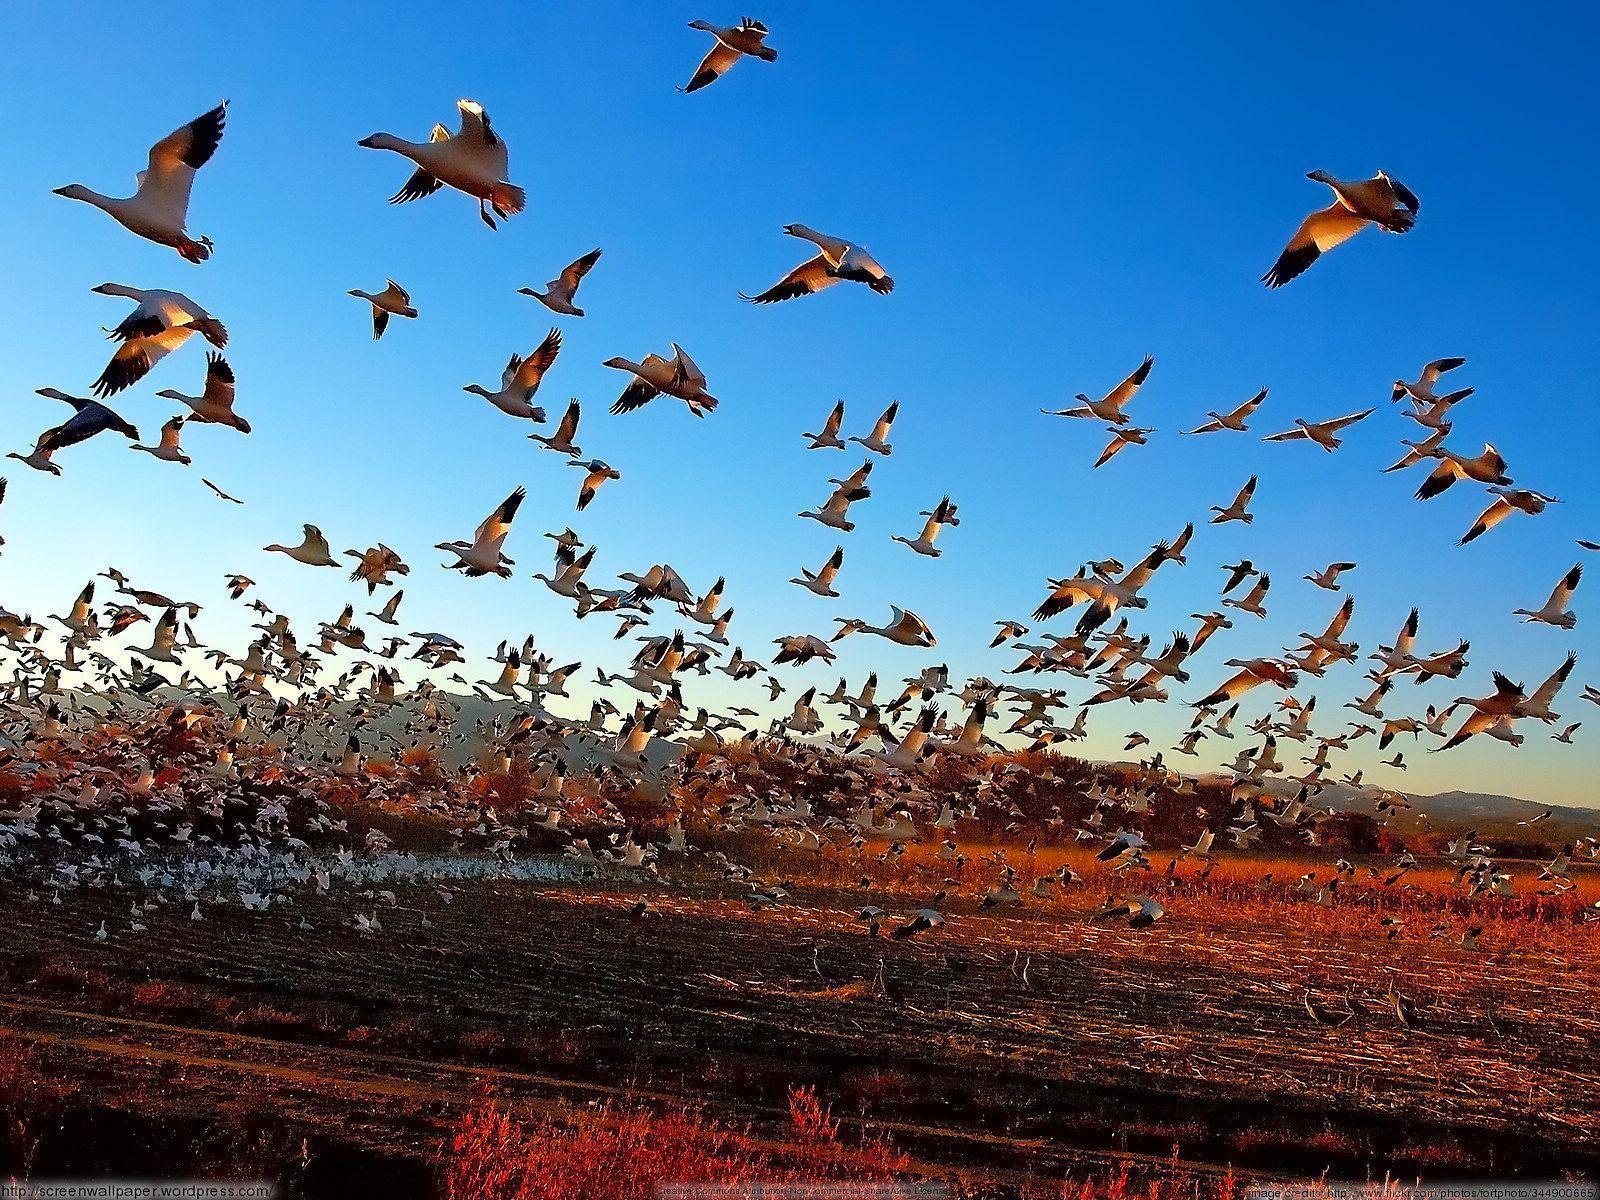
x,y
219,388
133,359
175,159
573,275
711,67
1318,233
810,276
530,371
498,523
1124,391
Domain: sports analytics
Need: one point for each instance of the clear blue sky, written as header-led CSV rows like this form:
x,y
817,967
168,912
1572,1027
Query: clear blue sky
x,y
1057,191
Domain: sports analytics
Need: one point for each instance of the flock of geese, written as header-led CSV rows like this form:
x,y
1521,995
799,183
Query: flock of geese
x,y
282,719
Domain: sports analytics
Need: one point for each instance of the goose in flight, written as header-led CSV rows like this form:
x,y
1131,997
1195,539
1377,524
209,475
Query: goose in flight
x,y
905,628
1506,501
597,472
561,441
220,493
1422,390
1323,433
1379,201
748,37
838,260
560,292
472,160
1252,674
802,648
1105,595
1234,420
944,513
878,440
214,406
1487,467
159,208
1555,611
167,450
1140,912
655,376
1417,452
1252,602
821,583
312,550
1488,712
834,513
1239,510
1565,736
89,417
1110,408
520,381
160,323
482,555
1328,578
1122,436
393,301
829,437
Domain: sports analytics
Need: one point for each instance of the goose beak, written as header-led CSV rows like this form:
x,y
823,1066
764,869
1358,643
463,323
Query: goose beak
x,y
369,142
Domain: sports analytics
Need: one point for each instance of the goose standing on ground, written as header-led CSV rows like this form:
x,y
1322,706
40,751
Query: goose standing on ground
x,y
838,260
821,583
1506,501
829,437
1377,201
748,37
596,474
1239,510
472,160
159,208
1110,408
1555,611
1422,390
943,513
167,449
393,301
561,441
1234,420
1323,433
878,440
521,379
161,322
312,550
559,293
214,406
89,418
655,376
905,628
482,555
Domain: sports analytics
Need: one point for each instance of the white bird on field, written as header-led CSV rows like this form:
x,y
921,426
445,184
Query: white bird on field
x,y
472,160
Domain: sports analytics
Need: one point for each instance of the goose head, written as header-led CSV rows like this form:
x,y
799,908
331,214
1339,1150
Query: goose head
x,y
381,141
478,390
76,191
1321,177
36,463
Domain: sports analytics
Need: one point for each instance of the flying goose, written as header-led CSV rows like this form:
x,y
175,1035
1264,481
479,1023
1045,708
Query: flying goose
x,y
1487,467
1323,433
520,381
1110,408
159,208
905,628
1252,602
943,513
834,513
1122,436
559,293
597,472
561,441
1377,201
802,648
1252,673
1487,712
161,322
878,440
1239,509
214,406
220,493
1555,611
312,550
482,555
1506,501
678,377
829,437
89,417
1234,420
167,449
747,37
393,301
821,583
472,160
1422,390
838,260
1417,452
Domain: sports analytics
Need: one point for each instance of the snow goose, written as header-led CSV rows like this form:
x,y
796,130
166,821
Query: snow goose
x,y
1423,389
748,37
220,493
596,474
1555,611
1487,467
561,441
472,160
1537,705
167,450
1234,420
1377,201
312,550
678,377
482,555
159,208
393,301
385,615
1239,509
1328,578
1122,436
878,440
1110,408
214,406
374,565
821,583
1488,711
1565,736
559,293
834,512
1252,673
1506,501
943,513
801,648
1323,433
161,322
905,628
829,437
89,418
521,379
838,260
1417,452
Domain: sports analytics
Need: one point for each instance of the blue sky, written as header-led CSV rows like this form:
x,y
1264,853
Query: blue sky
x,y
1057,192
